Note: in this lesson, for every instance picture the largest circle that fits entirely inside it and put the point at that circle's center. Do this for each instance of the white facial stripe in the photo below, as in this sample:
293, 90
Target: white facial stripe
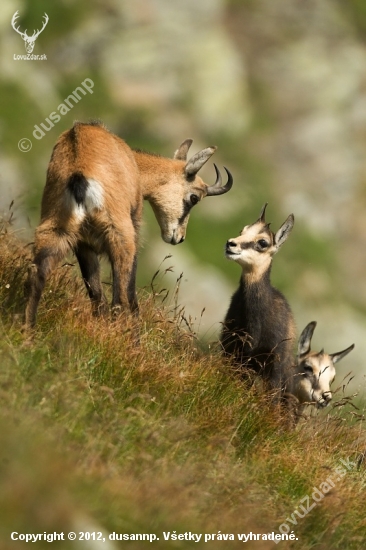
250, 233
323, 367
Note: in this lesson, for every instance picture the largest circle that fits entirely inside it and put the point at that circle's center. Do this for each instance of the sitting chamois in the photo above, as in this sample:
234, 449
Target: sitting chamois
313, 372
92, 204
259, 329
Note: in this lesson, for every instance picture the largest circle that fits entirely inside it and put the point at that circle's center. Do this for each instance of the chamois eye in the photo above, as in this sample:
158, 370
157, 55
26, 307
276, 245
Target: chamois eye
263, 243
194, 199
308, 369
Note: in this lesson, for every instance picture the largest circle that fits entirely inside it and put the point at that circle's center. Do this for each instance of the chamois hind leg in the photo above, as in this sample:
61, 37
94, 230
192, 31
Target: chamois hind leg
90, 271
131, 289
49, 249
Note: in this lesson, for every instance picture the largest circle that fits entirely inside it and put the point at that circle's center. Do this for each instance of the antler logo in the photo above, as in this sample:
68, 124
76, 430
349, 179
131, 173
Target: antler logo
28, 40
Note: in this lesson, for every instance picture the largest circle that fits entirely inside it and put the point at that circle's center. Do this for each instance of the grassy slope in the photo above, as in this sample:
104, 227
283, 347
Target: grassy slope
98, 433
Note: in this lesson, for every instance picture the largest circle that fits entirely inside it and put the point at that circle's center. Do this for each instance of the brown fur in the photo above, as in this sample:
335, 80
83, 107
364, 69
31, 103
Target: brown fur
92, 204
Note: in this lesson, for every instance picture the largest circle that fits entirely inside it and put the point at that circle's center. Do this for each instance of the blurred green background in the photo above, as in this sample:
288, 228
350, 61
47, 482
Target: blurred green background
279, 87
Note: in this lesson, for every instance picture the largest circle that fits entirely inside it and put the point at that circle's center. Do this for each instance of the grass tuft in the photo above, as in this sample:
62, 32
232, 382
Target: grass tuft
102, 431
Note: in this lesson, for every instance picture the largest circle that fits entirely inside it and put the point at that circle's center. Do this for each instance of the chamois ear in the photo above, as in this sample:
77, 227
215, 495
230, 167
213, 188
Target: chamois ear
182, 151
284, 231
196, 162
338, 356
304, 346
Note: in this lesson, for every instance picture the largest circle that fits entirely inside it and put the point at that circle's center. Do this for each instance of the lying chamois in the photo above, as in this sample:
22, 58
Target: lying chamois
313, 373
259, 330
92, 204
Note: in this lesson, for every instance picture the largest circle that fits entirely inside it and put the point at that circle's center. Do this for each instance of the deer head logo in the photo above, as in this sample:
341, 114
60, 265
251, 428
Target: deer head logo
28, 40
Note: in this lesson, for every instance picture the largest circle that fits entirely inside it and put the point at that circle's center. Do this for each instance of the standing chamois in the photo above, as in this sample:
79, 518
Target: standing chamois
259, 330
313, 373
92, 204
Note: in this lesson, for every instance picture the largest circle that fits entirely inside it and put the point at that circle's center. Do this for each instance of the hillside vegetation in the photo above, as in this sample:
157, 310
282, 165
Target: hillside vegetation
102, 433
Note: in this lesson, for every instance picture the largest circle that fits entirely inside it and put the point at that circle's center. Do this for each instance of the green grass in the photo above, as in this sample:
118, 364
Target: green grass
99, 433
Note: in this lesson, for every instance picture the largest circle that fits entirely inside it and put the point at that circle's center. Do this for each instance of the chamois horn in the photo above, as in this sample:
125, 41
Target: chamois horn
217, 188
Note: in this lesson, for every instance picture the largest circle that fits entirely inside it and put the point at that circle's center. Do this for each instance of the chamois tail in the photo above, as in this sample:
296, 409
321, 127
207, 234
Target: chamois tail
78, 186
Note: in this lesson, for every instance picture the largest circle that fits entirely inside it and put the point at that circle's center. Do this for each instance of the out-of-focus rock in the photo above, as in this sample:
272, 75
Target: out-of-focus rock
170, 54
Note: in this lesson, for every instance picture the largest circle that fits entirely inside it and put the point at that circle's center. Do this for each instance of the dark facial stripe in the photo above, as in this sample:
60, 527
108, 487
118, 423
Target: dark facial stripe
186, 210
245, 246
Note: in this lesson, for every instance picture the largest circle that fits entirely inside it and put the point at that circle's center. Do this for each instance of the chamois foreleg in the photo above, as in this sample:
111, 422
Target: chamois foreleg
90, 271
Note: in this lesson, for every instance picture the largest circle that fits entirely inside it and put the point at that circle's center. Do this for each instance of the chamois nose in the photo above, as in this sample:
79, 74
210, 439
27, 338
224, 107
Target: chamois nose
230, 244
325, 399
327, 396
176, 239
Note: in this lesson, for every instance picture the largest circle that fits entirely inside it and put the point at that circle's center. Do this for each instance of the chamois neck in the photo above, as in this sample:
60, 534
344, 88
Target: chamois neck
254, 278
154, 171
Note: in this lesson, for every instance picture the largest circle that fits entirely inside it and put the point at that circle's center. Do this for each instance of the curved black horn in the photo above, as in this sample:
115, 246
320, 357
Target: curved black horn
217, 188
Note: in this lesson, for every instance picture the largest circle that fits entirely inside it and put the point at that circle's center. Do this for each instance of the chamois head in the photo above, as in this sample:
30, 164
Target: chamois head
256, 244
182, 188
314, 372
